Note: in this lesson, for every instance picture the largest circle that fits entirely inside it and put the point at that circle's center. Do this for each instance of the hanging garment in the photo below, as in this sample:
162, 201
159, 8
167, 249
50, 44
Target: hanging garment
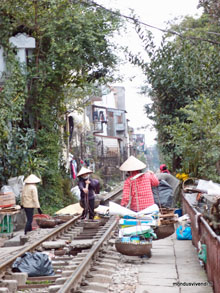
101, 116
73, 168
71, 127
95, 116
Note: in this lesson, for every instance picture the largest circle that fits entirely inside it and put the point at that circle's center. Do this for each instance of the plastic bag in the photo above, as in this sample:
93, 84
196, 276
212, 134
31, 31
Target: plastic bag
185, 234
6, 189
76, 191
203, 253
17, 184
34, 264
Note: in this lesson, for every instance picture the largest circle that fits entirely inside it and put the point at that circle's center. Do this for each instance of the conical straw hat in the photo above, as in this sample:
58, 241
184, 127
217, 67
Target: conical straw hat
32, 179
132, 164
83, 171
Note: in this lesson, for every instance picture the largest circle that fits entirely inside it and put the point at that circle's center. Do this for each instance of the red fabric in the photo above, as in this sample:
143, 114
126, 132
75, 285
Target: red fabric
144, 193
73, 171
162, 167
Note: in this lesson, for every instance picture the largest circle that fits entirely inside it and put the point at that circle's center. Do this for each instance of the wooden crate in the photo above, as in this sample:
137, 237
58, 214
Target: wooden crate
7, 199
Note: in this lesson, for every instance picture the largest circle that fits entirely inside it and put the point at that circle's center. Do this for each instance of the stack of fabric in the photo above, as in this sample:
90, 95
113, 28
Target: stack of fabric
135, 231
136, 227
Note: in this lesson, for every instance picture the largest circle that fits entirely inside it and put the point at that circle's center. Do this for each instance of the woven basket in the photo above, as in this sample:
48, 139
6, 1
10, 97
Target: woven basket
164, 231
46, 223
133, 249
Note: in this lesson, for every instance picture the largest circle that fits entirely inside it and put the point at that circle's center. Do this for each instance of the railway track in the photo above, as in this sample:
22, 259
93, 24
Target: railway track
77, 250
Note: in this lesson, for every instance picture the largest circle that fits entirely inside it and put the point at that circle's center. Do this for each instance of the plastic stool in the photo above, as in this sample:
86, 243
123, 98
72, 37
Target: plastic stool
6, 225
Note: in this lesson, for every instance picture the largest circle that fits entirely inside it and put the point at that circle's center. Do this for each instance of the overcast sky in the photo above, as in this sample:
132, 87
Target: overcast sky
156, 13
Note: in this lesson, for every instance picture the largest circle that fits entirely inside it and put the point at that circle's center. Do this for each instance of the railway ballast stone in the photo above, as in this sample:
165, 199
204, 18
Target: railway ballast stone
101, 278
103, 271
54, 244
96, 287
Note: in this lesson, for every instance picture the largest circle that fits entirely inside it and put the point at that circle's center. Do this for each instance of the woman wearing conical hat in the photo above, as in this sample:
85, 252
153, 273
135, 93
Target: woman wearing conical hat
29, 200
88, 188
137, 190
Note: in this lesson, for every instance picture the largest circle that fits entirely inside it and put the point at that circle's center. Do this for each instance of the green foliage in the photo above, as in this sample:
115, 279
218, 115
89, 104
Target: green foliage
12, 100
180, 72
18, 155
68, 197
197, 140
73, 53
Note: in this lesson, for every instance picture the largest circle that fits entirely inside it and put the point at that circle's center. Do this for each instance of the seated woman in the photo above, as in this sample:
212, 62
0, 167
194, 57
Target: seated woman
164, 169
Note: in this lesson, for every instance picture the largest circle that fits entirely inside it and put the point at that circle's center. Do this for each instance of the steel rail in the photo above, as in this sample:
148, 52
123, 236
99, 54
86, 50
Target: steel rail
55, 232
33, 246
113, 193
73, 281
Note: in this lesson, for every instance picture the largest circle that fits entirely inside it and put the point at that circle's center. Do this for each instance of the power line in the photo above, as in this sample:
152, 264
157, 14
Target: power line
135, 20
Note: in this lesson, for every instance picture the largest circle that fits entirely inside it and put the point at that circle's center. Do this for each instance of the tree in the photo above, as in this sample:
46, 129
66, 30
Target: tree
212, 9
179, 73
72, 50
197, 139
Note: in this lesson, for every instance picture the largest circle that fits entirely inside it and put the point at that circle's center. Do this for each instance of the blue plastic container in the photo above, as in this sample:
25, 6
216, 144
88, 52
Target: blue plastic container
179, 212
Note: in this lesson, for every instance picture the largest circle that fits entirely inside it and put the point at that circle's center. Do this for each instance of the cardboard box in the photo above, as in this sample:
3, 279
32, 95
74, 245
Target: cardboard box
7, 199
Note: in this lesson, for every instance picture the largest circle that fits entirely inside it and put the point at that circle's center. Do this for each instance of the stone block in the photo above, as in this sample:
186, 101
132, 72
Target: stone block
60, 281
11, 285
53, 244
66, 274
55, 288
21, 278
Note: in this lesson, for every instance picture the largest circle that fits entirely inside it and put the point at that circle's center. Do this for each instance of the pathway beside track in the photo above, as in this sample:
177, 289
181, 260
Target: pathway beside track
173, 268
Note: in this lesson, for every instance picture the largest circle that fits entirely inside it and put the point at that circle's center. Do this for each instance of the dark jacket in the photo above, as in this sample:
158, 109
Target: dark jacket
92, 187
